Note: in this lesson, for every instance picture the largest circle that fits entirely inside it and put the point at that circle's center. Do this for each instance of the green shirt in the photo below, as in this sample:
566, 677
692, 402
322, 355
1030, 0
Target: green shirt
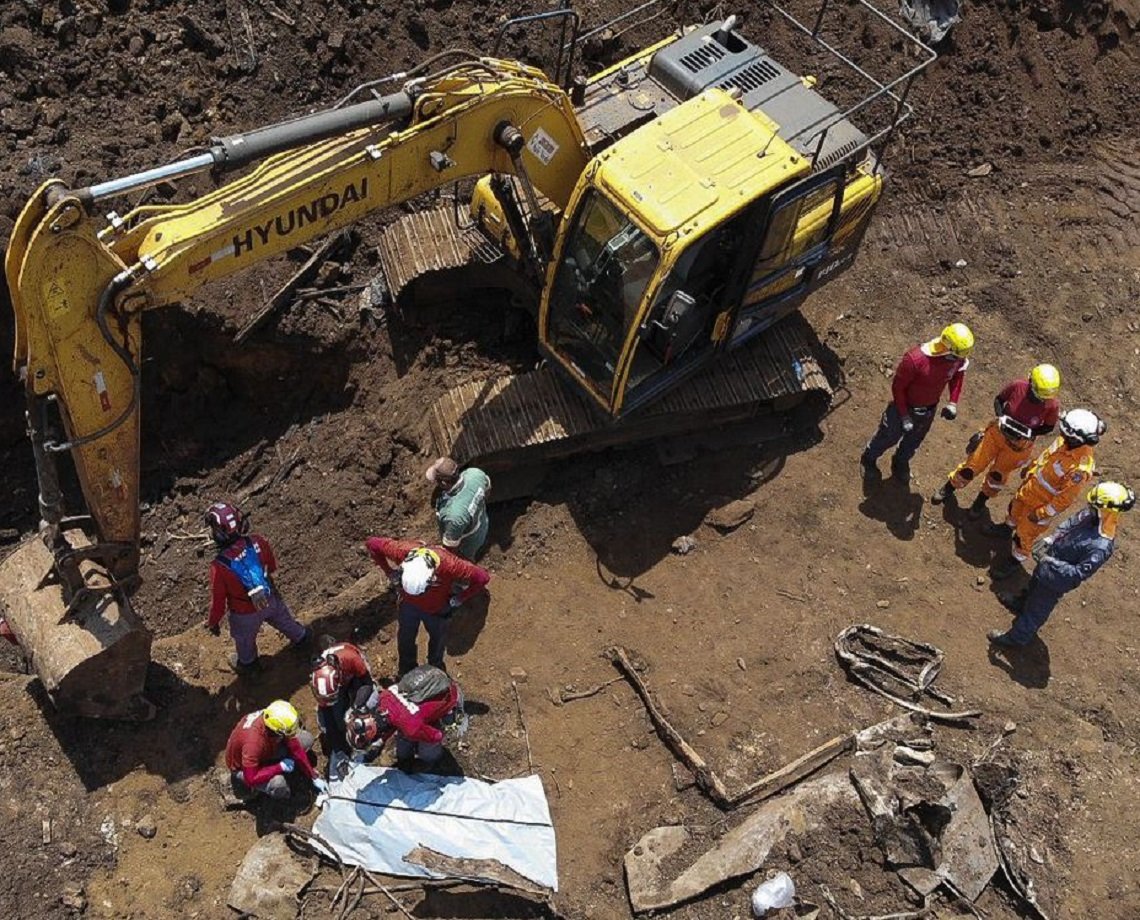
462, 509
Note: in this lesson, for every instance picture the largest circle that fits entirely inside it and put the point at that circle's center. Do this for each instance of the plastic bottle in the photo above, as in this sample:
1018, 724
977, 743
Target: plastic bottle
779, 891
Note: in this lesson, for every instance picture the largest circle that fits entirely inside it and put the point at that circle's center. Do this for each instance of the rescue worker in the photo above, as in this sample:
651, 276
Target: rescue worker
461, 506
921, 376
1025, 410
341, 680
241, 581
1049, 485
434, 582
265, 747
1066, 559
413, 711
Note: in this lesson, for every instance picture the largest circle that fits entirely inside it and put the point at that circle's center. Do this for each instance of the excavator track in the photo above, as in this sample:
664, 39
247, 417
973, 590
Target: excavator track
524, 419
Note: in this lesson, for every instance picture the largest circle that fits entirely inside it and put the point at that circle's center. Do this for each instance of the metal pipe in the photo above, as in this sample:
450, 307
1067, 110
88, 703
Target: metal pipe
47, 474
133, 183
238, 150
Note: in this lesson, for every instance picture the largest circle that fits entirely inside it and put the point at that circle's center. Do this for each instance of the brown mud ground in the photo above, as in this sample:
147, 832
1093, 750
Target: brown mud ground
1044, 91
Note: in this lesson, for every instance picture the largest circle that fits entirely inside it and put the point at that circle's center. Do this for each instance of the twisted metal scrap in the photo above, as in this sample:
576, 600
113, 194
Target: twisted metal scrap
855, 649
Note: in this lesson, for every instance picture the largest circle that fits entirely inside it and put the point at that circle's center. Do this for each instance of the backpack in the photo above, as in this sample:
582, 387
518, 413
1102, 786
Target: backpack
251, 573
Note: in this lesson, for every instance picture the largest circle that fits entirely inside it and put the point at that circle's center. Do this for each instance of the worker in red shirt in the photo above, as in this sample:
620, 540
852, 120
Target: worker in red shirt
241, 581
265, 747
1024, 410
433, 583
921, 376
341, 680
413, 711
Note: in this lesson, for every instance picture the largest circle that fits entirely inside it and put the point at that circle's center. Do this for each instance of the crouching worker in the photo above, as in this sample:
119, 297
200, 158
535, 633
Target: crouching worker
415, 711
341, 680
265, 747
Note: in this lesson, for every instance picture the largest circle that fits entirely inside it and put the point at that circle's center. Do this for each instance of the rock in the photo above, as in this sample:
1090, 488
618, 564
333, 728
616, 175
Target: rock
68, 850
682, 546
732, 515
1009, 728
88, 23
16, 47
146, 827
980, 580
883, 605
137, 45
961, 263
682, 777
73, 898
1086, 317
66, 30
719, 719
740, 664
979, 172
518, 675
269, 879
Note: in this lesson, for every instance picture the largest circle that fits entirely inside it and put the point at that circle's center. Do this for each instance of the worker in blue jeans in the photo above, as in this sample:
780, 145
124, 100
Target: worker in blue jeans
1071, 556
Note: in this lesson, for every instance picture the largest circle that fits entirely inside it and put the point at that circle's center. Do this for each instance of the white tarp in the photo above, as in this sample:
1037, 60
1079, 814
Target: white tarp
375, 816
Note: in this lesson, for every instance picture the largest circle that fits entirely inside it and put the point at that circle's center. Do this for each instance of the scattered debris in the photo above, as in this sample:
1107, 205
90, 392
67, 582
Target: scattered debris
567, 695
73, 898
981, 171
741, 851
931, 19
879, 661
776, 893
332, 245
480, 870
269, 879
711, 784
522, 722
682, 546
728, 517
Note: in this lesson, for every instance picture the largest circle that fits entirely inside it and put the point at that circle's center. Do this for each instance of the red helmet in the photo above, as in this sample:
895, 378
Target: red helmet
364, 728
325, 681
226, 522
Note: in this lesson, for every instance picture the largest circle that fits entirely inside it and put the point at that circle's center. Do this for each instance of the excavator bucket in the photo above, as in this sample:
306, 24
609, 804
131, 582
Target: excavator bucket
89, 649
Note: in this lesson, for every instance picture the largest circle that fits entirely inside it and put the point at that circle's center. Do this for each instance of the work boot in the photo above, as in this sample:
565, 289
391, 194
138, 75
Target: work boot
998, 637
944, 493
239, 668
998, 530
302, 644
1005, 569
870, 468
978, 508
900, 472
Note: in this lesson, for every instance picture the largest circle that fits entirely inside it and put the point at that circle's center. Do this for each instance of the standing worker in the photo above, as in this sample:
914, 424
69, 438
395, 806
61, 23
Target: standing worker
341, 679
241, 581
265, 747
921, 376
1049, 485
413, 711
434, 582
1024, 409
461, 506
1071, 556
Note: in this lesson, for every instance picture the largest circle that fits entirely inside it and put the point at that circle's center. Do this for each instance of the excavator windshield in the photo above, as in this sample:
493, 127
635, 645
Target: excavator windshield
606, 264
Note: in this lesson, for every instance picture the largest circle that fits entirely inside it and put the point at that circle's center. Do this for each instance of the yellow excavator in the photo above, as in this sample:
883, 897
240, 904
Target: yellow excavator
662, 219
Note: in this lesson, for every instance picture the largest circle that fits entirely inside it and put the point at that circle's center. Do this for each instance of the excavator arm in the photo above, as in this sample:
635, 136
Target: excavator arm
80, 282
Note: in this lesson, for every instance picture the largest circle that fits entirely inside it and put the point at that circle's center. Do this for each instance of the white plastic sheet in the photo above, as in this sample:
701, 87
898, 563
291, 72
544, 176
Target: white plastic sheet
375, 816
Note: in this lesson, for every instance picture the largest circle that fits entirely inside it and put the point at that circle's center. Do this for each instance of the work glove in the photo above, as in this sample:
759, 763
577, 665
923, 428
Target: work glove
907, 424
215, 630
320, 785
1041, 548
288, 765
950, 412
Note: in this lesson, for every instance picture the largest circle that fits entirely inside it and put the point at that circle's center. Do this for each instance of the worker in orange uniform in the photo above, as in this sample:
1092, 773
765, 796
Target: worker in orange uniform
1050, 484
921, 376
1024, 410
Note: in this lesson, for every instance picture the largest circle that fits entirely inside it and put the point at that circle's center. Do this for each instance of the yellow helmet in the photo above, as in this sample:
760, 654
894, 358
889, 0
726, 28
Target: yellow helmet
1111, 496
281, 718
1045, 381
957, 339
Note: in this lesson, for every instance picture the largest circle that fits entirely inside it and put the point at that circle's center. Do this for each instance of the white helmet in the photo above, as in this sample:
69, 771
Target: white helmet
1082, 426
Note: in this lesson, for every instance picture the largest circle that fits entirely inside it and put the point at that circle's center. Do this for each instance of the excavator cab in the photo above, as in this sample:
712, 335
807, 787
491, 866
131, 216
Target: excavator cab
684, 241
